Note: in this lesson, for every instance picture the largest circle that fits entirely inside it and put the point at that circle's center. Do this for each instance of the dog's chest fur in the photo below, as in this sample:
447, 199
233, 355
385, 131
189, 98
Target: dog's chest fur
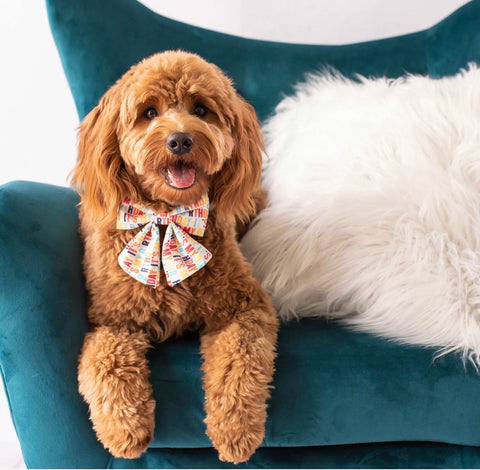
164, 311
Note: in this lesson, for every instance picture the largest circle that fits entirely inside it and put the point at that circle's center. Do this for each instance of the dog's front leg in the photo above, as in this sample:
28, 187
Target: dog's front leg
238, 364
113, 378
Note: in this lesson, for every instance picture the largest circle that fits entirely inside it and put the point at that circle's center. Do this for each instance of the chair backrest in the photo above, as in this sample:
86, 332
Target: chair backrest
99, 40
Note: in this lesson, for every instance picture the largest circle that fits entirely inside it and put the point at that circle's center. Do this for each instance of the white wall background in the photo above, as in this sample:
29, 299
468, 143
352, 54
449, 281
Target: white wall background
38, 117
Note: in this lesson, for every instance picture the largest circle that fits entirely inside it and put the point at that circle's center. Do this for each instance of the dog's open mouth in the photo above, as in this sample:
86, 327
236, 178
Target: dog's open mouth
180, 175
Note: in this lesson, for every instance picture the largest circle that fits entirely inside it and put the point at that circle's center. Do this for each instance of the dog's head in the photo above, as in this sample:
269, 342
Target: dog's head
171, 129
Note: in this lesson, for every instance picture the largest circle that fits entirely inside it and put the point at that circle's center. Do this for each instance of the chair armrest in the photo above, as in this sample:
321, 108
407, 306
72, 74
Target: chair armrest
42, 324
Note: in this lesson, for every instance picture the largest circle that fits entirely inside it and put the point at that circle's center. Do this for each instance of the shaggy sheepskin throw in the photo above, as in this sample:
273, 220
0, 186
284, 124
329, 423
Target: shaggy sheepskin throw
374, 207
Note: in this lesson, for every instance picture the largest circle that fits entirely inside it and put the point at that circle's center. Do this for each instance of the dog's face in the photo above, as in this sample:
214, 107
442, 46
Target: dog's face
170, 130
176, 125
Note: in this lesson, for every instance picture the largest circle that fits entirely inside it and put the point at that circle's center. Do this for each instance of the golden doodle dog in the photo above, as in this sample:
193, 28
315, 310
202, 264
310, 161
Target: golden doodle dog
170, 141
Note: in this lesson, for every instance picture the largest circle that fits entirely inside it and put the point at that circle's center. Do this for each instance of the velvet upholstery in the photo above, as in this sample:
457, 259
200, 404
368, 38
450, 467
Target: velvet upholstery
383, 455
339, 396
332, 386
99, 41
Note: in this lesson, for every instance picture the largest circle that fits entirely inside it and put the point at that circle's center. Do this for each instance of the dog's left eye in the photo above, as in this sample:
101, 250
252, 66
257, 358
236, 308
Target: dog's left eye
200, 110
150, 113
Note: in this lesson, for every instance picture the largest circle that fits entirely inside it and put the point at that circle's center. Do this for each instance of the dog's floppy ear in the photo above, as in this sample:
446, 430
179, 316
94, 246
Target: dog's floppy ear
235, 187
100, 176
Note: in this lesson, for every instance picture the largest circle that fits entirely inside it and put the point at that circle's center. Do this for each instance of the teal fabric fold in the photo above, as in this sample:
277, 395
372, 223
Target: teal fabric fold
389, 455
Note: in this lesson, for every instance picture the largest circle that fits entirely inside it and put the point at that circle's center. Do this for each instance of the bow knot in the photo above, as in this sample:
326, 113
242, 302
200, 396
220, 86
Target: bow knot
181, 255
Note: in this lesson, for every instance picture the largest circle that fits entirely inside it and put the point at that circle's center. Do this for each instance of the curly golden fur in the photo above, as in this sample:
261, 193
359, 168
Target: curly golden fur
123, 152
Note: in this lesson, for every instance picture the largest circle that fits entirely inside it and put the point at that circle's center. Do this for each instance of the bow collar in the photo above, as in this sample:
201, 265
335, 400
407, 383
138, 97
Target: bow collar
181, 255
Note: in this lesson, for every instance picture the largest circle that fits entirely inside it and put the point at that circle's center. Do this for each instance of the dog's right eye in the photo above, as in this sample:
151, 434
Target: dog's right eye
150, 113
200, 110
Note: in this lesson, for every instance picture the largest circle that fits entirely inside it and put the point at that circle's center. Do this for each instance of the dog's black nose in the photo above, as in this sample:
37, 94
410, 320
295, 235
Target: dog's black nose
179, 143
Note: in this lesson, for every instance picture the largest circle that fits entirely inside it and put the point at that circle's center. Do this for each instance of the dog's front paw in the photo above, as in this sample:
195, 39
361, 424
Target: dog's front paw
126, 441
113, 379
125, 429
235, 444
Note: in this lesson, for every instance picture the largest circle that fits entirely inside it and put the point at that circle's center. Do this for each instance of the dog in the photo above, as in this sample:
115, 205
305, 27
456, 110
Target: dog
172, 139
374, 202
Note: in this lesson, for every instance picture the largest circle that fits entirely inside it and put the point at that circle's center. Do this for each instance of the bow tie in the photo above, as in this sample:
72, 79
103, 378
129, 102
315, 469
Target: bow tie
182, 256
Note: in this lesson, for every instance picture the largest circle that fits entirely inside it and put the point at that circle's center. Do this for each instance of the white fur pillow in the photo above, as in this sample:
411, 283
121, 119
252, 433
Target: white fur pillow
374, 213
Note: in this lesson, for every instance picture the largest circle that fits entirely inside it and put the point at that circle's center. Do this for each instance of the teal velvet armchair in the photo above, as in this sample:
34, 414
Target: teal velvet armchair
341, 399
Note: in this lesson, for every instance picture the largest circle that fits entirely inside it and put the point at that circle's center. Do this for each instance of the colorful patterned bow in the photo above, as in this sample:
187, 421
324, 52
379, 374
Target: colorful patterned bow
182, 256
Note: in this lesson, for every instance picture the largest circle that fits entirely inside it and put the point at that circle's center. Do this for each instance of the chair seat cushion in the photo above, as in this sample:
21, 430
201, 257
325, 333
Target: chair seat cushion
332, 386
385, 455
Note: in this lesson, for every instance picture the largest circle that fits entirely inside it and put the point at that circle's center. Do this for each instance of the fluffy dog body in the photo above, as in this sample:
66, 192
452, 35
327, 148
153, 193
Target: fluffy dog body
124, 150
374, 200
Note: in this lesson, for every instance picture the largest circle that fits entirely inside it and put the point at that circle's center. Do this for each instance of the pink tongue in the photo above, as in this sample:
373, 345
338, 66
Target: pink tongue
181, 176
